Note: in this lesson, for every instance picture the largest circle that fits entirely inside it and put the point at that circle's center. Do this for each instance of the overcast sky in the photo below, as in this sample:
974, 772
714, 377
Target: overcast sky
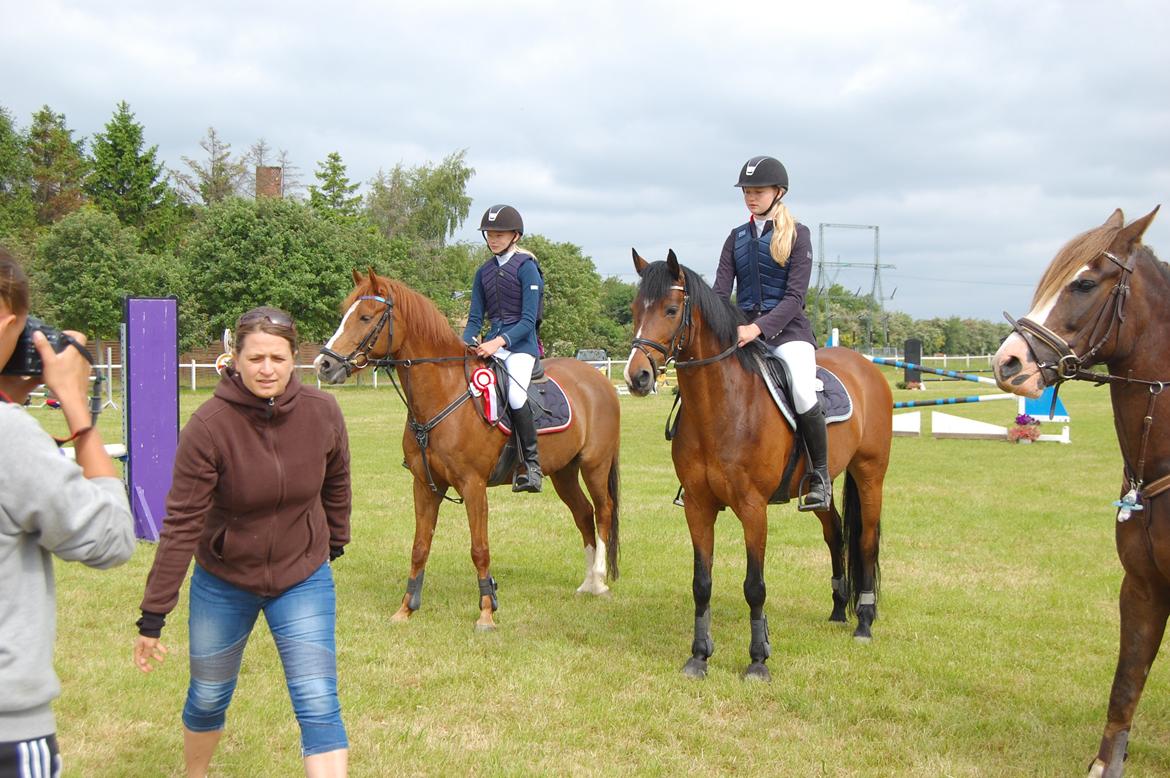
979, 136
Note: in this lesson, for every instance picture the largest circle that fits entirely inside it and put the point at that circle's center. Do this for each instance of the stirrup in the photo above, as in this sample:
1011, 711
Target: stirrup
521, 482
803, 504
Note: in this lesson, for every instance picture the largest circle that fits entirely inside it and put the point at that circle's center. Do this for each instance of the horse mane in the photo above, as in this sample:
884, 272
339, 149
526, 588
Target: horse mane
426, 320
719, 316
1080, 251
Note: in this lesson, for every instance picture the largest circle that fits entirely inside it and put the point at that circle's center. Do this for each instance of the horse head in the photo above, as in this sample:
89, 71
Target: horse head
366, 331
1078, 309
661, 312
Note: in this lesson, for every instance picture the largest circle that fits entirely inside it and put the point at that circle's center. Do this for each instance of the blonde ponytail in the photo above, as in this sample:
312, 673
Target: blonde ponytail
783, 233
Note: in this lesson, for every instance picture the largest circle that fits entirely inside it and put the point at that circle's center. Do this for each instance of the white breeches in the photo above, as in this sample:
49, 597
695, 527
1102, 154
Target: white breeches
800, 360
519, 367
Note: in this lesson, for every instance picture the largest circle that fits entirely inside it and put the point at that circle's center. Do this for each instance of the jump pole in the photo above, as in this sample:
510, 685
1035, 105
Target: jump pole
948, 373
150, 376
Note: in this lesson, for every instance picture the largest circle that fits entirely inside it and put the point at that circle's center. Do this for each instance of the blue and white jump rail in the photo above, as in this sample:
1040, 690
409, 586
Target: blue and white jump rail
945, 425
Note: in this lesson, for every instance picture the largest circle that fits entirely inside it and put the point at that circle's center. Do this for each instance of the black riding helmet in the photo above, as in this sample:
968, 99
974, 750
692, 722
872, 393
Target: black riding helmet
763, 171
503, 218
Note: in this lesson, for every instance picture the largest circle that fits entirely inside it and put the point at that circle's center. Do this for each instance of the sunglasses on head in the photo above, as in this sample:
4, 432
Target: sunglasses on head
272, 317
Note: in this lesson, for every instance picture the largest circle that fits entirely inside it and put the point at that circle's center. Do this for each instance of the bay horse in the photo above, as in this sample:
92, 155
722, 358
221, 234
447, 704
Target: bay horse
449, 444
732, 443
1102, 300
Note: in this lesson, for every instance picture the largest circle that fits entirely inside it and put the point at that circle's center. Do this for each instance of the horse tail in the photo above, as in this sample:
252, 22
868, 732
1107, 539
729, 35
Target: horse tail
613, 546
855, 563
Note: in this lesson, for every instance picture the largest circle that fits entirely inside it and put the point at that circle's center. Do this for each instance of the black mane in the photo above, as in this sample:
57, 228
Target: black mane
719, 316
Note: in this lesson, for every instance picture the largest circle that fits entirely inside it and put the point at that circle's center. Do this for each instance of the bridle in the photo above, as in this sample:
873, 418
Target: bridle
359, 357
679, 340
1070, 366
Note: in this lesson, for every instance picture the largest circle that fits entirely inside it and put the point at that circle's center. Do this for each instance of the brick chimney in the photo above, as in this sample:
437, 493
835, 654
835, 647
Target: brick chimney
269, 181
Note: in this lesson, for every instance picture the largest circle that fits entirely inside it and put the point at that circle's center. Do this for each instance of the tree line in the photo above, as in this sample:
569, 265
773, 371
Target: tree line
96, 219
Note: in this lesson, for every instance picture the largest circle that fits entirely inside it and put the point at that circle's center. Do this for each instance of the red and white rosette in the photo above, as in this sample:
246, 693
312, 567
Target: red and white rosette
222, 362
483, 382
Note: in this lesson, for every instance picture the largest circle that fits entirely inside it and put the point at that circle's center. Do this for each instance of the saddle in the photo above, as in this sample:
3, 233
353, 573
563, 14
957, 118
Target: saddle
834, 399
551, 411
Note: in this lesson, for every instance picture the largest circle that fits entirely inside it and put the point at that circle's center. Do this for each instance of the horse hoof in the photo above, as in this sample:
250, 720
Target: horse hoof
695, 668
757, 671
402, 616
838, 616
602, 591
862, 637
484, 627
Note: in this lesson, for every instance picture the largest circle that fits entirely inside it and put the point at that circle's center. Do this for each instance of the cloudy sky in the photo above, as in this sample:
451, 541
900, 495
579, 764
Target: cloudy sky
979, 136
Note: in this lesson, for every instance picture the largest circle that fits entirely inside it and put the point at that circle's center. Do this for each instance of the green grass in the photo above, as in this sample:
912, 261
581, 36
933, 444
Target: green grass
994, 650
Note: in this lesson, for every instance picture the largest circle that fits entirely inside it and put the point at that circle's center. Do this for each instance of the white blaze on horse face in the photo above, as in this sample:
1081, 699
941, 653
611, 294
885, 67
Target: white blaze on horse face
341, 327
1043, 308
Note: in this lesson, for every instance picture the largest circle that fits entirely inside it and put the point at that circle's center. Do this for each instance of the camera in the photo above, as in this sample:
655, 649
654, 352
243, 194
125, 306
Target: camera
25, 359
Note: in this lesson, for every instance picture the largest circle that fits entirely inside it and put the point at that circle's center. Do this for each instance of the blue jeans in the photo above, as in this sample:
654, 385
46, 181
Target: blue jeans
302, 621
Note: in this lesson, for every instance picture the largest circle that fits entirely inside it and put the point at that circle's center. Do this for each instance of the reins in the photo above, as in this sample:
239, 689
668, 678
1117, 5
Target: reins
680, 338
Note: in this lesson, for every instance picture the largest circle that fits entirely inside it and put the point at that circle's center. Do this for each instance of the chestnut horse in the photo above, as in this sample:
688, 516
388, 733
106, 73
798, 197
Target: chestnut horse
732, 444
449, 444
1102, 300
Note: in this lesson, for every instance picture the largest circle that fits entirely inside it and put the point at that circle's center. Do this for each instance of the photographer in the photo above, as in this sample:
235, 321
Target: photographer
48, 505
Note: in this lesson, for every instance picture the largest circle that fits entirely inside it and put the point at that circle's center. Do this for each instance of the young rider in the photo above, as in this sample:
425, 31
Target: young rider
509, 290
769, 260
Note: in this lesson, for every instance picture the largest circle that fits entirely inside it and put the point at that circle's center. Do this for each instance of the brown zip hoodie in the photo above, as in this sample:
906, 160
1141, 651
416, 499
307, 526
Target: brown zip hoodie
260, 492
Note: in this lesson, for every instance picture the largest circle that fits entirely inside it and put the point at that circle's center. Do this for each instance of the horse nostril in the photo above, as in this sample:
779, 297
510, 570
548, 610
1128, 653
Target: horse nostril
1010, 367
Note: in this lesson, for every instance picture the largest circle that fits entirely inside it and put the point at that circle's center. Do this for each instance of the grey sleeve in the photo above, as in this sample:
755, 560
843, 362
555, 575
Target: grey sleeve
76, 518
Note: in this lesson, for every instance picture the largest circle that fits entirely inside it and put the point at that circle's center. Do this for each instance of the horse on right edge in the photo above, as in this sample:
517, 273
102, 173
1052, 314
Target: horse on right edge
1102, 301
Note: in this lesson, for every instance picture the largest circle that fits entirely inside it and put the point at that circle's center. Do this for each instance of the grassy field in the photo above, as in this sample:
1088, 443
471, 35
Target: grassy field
993, 651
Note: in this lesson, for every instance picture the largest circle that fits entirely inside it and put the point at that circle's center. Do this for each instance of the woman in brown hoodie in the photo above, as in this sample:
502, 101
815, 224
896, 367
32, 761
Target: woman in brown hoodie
261, 498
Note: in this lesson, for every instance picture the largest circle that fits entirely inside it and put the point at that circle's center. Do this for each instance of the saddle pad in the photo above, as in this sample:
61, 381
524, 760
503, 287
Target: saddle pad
832, 393
550, 405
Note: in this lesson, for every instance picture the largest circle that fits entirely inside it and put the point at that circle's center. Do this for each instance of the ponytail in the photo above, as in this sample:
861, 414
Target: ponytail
783, 233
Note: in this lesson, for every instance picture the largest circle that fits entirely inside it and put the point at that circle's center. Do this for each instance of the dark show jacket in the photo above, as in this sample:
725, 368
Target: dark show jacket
509, 296
786, 321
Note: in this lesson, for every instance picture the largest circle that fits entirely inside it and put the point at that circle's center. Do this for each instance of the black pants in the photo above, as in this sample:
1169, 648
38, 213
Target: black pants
27, 758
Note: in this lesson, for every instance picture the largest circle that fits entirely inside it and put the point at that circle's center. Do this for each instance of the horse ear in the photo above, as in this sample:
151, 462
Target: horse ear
639, 264
672, 264
357, 277
1132, 232
1116, 220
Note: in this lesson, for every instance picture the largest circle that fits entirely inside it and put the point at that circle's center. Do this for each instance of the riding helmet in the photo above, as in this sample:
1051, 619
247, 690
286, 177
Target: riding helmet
763, 171
502, 217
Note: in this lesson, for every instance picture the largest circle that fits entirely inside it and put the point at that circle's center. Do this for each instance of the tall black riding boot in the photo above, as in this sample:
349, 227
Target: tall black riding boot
524, 425
811, 424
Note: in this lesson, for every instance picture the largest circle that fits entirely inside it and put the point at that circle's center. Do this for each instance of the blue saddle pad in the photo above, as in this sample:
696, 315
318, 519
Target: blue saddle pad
832, 393
550, 406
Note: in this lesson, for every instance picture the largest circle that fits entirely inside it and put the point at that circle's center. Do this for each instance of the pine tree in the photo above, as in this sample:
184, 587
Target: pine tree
335, 195
126, 181
217, 179
59, 166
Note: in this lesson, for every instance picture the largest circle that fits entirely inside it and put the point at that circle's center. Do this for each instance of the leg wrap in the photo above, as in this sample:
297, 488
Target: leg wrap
487, 588
760, 648
414, 589
866, 598
703, 646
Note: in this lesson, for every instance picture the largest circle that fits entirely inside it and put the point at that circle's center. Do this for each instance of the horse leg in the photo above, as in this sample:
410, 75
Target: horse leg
601, 479
475, 501
835, 540
568, 488
863, 510
1143, 622
426, 514
755, 535
701, 522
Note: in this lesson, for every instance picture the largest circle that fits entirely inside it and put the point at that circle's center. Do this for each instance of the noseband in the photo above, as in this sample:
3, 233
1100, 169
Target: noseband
360, 356
1069, 365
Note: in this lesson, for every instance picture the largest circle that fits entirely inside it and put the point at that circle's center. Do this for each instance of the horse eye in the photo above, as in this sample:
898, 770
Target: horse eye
366, 318
672, 310
1083, 285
